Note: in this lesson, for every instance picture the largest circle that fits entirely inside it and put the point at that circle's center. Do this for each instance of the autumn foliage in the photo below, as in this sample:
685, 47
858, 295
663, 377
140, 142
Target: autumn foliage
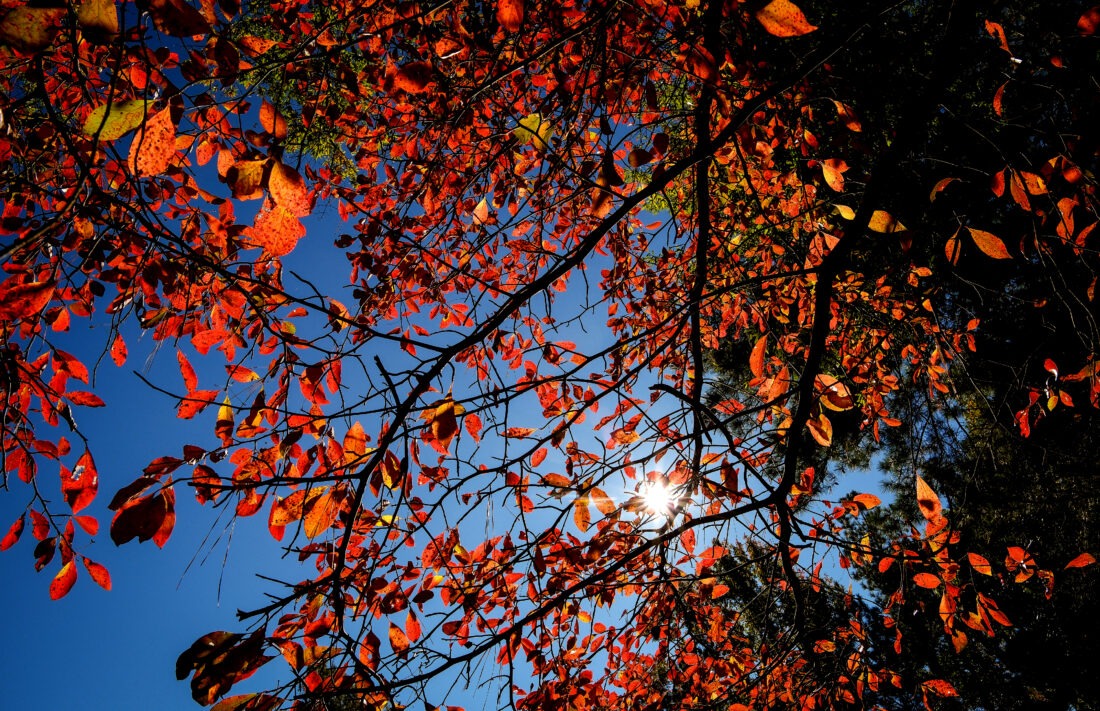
549, 217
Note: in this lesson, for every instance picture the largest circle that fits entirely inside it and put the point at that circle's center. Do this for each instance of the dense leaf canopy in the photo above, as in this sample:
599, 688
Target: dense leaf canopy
619, 293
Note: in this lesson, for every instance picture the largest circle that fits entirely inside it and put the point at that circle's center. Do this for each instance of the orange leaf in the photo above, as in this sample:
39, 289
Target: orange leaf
1081, 561
288, 190
845, 114
939, 687
953, 248
99, 20
783, 18
867, 501
272, 121
926, 580
444, 422
990, 244
398, 640
245, 179
98, 572
882, 221
510, 14
63, 581
557, 480
756, 358
276, 230
833, 169
320, 512
154, 146
939, 187
581, 515
928, 502
603, 502
538, 456
979, 564
412, 627
821, 430
355, 443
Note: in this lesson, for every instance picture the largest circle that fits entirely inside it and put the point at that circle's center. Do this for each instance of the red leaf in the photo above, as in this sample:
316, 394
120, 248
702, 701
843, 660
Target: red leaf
414, 77
154, 146
510, 14
40, 526
14, 533
63, 581
84, 399
24, 300
190, 380
118, 351
783, 18
195, 403
1079, 562
80, 485
98, 572
473, 426
177, 18
412, 627
145, 518
756, 358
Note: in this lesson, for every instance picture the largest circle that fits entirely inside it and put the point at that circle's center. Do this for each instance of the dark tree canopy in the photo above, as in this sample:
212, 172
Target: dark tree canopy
621, 294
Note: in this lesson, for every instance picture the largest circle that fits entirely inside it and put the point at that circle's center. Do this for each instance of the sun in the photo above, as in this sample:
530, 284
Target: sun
657, 498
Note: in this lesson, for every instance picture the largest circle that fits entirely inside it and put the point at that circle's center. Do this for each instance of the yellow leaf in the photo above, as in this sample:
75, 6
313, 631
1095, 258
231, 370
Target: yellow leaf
533, 129
833, 170
882, 221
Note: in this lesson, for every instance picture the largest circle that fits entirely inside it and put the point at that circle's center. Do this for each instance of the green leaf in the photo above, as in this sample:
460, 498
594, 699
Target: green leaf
112, 121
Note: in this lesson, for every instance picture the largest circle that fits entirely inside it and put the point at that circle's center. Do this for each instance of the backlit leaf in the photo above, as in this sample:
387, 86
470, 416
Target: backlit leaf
154, 146
1081, 561
272, 121
113, 121
24, 300
99, 20
535, 130
398, 640
926, 580
979, 564
884, 222
510, 14
783, 18
29, 29
99, 573
63, 581
288, 189
833, 170
14, 532
245, 179
414, 78
177, 18
928, 502
320, 512
990, 244
582, 517
276, 230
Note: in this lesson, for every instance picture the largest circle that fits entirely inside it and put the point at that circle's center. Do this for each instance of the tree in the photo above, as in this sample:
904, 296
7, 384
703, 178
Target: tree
564, 214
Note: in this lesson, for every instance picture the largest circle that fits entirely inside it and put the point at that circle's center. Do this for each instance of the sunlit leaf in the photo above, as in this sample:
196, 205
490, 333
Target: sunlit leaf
928, 502
783, 18
154, 146
99, 573
113, 121
510, 14
1081, 561
990, 244
63, 581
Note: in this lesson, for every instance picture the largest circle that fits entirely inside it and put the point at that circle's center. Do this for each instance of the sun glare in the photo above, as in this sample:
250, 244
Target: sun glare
657, 497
